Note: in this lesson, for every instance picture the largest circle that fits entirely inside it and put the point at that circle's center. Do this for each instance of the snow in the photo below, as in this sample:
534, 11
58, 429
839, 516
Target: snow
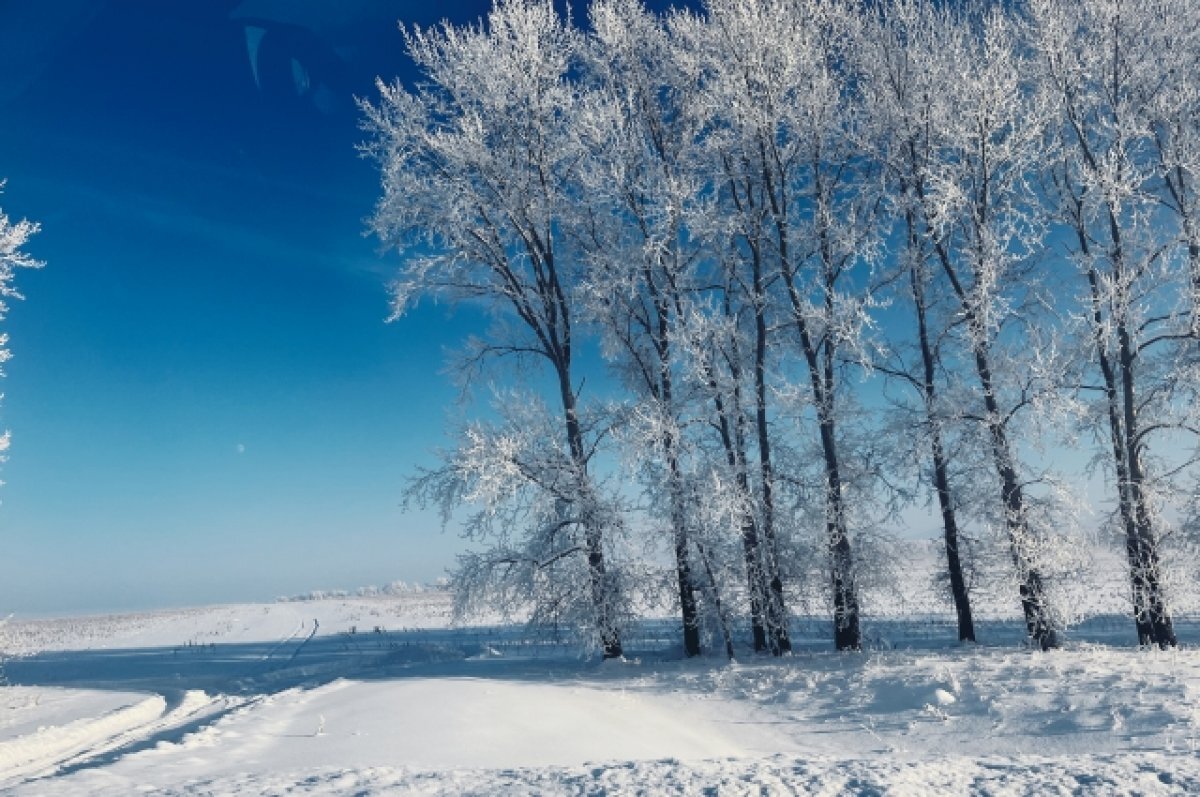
27, 709
229, 624
283, 698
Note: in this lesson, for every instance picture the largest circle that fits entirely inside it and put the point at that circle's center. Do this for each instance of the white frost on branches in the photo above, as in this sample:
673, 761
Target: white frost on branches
13, 237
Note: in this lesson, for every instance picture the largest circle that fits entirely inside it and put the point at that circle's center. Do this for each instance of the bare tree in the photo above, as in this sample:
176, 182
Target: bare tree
897, 42
1124, 144
794, 177
972, 201
641, 183
479, 168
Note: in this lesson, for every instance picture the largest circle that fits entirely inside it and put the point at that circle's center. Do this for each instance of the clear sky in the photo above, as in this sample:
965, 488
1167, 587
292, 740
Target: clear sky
206, 403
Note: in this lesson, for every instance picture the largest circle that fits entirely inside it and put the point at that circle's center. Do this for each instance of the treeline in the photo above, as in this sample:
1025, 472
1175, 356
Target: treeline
842, 257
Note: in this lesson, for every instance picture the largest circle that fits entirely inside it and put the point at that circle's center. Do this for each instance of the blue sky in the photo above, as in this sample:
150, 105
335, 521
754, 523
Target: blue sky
206, 403
205, 400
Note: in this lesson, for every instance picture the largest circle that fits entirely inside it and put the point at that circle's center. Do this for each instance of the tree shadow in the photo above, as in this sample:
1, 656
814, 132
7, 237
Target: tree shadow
496, 652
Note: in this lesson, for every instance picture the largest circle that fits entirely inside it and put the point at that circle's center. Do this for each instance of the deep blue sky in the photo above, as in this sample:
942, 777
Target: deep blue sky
206, 403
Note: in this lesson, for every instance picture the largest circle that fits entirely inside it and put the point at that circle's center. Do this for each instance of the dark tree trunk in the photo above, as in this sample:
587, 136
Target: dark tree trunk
958, 584
1151, 617
1038, 621
550, 322
847, 633
683, 570
732, 425
777, 617
820, 359
726, 636
665, 389
758, 537
1144, 564
1034, 604
733, 436
941, 465
1133, 546
755, 581
601, 588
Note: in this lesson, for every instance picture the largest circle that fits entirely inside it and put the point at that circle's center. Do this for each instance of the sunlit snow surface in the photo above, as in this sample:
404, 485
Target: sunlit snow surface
249, 700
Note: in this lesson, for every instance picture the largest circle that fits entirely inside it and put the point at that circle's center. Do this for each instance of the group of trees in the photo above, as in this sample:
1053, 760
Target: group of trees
840, 256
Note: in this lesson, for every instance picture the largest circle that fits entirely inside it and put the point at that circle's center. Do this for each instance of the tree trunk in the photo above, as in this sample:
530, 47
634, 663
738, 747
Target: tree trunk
726, 636
1144, 564
1038, 620
733, 436
847, 634
1151, 617
941, 469
1133, 548
958, 584
601, 587
755, 581
683, 570
777, 619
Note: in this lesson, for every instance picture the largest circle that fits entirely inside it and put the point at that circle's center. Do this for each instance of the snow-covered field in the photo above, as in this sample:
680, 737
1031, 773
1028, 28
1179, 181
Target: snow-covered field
364, 695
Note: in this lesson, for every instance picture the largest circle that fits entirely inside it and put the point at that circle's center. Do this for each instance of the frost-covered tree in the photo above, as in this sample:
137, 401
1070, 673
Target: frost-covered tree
717, 342
529, 504
971, 197
742, 240
14, 235
479, 166
801, 213
897, 42
720, 195
641, 185
1121, 79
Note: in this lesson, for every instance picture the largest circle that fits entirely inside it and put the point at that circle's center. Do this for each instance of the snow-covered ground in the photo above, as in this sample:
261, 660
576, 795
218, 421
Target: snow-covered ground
380, 694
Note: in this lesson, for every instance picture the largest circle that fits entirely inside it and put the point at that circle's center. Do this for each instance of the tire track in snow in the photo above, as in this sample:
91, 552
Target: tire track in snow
98, 741
299, 628
307, 639
164, 718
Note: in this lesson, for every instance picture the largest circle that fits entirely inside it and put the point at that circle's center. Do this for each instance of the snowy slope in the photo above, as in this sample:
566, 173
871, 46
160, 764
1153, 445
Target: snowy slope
227, 624
261, 699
